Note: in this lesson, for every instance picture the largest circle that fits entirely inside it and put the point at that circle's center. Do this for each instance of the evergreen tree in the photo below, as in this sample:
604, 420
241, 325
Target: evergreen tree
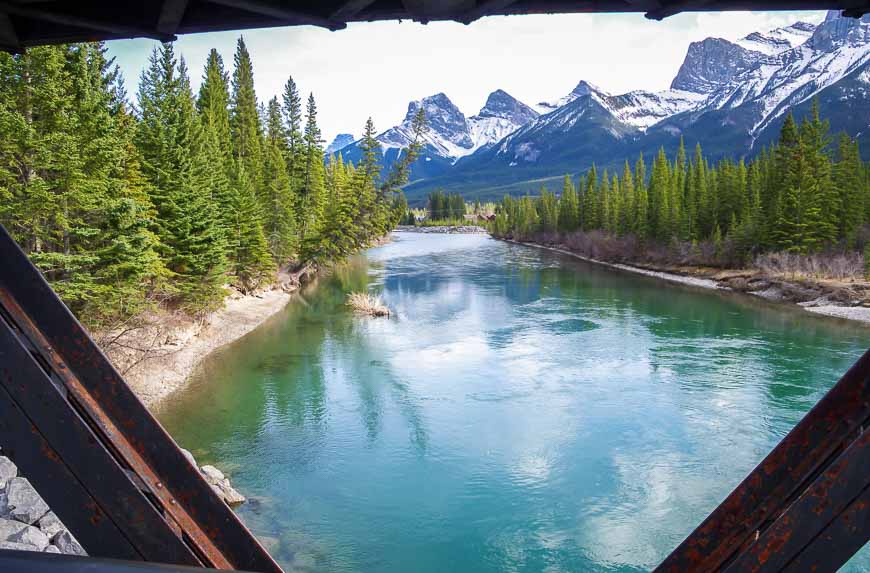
568, 208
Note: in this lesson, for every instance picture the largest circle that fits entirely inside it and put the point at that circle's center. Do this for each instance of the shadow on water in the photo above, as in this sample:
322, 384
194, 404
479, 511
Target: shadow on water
522, 410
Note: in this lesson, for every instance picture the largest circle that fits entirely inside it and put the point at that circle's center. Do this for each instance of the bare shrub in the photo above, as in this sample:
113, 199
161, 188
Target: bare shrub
832, 265
365, 303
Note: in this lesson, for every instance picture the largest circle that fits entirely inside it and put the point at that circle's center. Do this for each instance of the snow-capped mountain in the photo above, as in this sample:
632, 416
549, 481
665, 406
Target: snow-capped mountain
451, 135
501, 115
341, 141
757, 99
778, 40
729, 96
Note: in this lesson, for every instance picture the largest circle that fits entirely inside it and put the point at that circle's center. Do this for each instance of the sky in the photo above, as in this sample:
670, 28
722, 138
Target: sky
376, 68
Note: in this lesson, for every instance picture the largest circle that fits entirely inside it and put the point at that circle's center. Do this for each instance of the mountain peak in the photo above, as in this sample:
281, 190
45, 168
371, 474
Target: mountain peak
341, 141
778, 40
711, 63
586, 88
501, 104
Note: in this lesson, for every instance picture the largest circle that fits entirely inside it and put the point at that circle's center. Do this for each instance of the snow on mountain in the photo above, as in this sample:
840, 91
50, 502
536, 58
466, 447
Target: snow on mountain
836, 48
451, 135
639, 109
501, 115
779, 40
583, 88
341, 141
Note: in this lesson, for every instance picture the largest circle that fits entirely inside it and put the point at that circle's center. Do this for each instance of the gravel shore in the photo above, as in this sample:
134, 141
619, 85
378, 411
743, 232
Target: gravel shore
822, 306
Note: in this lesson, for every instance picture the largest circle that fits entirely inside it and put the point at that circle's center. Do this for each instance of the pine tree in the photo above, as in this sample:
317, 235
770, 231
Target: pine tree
568, 208
250, 262
277, 198
169, 137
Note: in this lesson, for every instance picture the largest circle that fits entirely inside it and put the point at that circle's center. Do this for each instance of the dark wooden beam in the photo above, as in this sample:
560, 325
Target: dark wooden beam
35, 13
8, 37
64, 410
484, 8
171, 15
349, 10
290, 17
674, 8
417, 10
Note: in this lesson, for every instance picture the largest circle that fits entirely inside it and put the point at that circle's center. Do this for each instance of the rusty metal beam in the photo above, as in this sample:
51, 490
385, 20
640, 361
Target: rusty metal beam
75, 419
802, 504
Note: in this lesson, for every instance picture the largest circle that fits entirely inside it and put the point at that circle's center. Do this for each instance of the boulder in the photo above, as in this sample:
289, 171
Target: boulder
4, 504
221, 485
50, 524
15, 546
51, 549
67, 544
7, 470
25, 504
189, 457
10, 528
31, 536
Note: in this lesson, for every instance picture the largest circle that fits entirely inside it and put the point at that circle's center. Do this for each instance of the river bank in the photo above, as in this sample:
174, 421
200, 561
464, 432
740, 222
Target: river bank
158, 353
850, 301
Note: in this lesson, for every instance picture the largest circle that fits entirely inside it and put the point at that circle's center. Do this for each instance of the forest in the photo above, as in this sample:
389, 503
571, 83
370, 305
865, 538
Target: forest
805, 194
172, 198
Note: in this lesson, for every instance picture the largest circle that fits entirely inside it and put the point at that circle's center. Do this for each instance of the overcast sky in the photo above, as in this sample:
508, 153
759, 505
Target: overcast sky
375, 69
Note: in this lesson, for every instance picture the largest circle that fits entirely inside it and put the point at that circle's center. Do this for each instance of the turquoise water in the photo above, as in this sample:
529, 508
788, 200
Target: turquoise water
521, 411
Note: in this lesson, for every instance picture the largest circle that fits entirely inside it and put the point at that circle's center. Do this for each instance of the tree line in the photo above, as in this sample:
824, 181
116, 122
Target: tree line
803, 194
124, 207
443, 206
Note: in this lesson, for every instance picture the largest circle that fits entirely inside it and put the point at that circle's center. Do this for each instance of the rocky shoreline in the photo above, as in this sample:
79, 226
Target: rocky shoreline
816, 297
26, 522
157, 354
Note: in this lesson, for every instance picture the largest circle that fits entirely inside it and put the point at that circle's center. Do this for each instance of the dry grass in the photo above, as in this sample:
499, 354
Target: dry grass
841, 266
368, 304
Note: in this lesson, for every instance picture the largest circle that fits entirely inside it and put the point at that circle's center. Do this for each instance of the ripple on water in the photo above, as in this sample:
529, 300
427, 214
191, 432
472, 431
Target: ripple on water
523, 412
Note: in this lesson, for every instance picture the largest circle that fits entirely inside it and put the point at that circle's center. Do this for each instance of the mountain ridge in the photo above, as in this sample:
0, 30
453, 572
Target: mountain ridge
729, 98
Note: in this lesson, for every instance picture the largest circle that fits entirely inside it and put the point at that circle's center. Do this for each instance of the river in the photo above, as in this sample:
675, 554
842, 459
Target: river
521, 411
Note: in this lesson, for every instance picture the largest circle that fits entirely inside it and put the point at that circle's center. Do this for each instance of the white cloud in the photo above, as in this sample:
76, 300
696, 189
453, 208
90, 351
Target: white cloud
377, 68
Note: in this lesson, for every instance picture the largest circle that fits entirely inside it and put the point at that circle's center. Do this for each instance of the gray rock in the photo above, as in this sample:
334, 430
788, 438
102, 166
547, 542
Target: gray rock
10, 528
50, 524
67, 544
212, 474
51, 549
25, 504
189, 457
31, 536
221, 485
4, 504
15, 546
7, 470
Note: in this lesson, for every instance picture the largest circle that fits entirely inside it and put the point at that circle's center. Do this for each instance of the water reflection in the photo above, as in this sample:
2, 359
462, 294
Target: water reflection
522, 411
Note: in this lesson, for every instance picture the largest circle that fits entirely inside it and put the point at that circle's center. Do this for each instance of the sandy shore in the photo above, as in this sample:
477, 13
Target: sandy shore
157, 357
823, 307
